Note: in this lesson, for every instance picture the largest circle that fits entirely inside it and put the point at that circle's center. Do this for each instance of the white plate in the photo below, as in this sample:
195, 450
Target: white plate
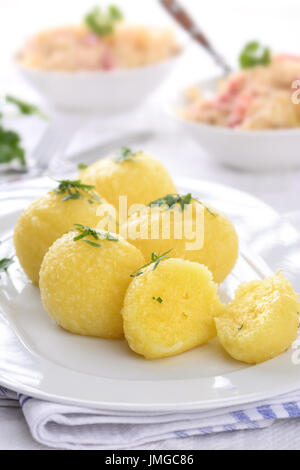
38, 358
256, 150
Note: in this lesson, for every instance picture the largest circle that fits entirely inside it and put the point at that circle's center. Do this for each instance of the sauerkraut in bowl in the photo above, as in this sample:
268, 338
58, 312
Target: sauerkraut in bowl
103, 65
249, 120
104, 42
257, 97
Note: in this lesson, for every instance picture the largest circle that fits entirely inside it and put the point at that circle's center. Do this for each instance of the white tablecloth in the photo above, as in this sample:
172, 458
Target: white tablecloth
283, 435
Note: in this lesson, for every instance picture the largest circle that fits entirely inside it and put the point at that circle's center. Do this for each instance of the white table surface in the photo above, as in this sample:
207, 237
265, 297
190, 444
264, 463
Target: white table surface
183, 157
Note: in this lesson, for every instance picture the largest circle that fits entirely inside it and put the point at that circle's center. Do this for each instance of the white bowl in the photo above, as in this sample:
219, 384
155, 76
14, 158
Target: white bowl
248, 150
108, 92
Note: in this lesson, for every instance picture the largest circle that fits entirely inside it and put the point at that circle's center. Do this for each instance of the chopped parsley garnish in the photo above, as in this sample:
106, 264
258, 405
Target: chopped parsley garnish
155, 260
254, 54
241, 327
5, 263
10, 141
95, 234
10, 147
207, 208
110, 237
82, 166
96, 245
125, 155
74, 189
24, 107
102, 22
158, 299
171, 200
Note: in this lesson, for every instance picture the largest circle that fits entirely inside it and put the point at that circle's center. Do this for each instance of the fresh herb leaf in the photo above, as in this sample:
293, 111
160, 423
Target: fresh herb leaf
5, 263
82, 166
86, 231
125, 154
158, 299
101, 22
24, 107
155, 259
97, 245
66, 184
240, 329
74, 189
115, 13
71, 195
171, 200
254, 54
97, 198
10, 147
110, 237
207, 208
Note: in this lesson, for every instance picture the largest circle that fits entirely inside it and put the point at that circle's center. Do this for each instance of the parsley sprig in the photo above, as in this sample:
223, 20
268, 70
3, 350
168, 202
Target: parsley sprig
171, 200
125, 154
24, 107
86, 231
158, 299
102, 22
5, 263
155, 260
10, 147
254, 54
75, 189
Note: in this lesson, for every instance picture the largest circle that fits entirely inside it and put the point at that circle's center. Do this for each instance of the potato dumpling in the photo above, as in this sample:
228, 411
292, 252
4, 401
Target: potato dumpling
170, 309
261, 322
217, 249
138, 176
83, 284
48, 218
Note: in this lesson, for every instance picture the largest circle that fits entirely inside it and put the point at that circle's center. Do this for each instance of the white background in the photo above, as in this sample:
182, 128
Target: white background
229, 23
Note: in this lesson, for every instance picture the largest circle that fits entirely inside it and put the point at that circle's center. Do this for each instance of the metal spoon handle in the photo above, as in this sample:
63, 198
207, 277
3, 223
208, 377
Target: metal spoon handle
186, 21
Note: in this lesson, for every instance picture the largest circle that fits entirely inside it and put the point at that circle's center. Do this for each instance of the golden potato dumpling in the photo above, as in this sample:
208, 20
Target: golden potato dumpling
48, 218
83, 284
170, 309
218, 249
261, 322
138, 176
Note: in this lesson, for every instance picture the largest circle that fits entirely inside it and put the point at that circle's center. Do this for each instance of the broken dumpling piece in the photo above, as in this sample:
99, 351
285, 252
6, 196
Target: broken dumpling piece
169, 308
136, 175
261, 322
83, 280
49, 217
197, 233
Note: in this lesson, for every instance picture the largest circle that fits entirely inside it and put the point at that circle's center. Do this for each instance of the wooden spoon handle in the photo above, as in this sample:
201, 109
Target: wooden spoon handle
186, 21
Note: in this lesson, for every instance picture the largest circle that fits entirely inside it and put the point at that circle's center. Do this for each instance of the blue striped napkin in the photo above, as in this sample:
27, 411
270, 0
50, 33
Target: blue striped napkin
72, 427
